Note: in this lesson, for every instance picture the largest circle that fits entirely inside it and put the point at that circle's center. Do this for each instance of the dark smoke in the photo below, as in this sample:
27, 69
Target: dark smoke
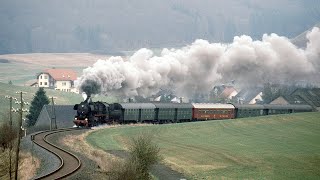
90, 87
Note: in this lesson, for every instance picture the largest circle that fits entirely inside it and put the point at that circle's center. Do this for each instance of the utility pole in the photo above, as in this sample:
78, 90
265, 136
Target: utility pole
10, 110
21, 110
10, 122
53, 114
10, 114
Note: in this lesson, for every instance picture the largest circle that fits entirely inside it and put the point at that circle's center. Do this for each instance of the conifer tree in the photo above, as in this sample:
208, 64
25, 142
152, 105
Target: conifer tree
39, 100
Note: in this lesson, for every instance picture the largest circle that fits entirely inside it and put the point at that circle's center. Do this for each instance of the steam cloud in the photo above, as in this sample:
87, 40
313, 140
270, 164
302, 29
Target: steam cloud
195, 68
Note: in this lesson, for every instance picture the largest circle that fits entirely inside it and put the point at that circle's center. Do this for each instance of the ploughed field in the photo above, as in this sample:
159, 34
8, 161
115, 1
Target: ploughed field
269, 147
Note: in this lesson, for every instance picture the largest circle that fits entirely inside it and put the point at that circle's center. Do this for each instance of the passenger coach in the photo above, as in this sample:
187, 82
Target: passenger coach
249, 110
135, 112
173, 112
208, 111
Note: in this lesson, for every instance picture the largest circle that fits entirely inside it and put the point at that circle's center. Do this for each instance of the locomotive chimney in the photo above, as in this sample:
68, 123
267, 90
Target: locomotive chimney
88, 99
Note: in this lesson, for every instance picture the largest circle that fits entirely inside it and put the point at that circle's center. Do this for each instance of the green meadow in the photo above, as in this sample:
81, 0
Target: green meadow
269, 147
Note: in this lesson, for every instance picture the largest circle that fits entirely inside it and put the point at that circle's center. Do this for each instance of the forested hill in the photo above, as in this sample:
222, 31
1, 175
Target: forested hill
112, 25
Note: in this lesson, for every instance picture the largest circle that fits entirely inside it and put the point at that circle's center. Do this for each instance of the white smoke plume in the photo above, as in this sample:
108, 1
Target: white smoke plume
196, 67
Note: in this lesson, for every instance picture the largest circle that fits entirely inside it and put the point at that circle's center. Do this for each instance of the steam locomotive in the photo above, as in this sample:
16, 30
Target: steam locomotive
91, 114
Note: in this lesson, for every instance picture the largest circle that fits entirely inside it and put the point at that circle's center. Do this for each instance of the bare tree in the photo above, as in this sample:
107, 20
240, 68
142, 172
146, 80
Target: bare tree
8, 134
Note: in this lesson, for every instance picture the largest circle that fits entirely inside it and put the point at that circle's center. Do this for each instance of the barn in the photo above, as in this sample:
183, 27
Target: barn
63, 114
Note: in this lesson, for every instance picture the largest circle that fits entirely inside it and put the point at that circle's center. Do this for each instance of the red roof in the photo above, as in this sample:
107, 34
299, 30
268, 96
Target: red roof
62, 74
227, 91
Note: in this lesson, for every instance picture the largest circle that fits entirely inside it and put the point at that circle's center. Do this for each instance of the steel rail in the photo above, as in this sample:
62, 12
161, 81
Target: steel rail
56, 174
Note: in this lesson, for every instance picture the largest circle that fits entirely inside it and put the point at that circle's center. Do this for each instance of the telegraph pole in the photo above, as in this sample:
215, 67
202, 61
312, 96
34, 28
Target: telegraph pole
10, 114
10, 122
21, 110
10, 110
53, 114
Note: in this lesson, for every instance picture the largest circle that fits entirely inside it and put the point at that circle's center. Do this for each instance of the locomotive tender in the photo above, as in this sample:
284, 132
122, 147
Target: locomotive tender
94, 113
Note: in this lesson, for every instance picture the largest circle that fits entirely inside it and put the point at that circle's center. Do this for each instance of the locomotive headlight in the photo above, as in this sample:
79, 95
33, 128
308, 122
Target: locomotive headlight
86, 119
75, 118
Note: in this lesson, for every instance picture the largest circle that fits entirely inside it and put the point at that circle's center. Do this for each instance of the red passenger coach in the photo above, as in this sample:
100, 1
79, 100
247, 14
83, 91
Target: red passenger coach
209, 111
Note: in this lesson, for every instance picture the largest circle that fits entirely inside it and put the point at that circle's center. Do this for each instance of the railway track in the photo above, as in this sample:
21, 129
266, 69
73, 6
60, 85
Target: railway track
69, 162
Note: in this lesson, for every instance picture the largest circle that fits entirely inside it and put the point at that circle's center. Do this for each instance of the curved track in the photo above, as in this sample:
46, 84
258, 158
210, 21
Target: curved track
69, 162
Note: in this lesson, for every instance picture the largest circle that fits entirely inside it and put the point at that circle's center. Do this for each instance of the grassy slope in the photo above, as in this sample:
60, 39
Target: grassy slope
63, 98
24, 67
271, 147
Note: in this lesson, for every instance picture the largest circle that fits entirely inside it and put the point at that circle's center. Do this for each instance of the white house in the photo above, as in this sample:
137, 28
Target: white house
58, 79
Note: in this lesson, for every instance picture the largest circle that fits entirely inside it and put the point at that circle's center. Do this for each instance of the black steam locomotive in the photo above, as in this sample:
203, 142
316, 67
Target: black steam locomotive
91, 113
94, 113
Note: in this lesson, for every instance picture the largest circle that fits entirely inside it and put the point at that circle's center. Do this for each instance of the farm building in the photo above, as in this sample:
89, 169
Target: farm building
64, 115
285, 100
58, 79
222, 93
229, 93
310, 96
249, 95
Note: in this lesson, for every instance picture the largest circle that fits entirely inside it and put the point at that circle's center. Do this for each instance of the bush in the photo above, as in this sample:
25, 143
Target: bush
143, 153
7, 135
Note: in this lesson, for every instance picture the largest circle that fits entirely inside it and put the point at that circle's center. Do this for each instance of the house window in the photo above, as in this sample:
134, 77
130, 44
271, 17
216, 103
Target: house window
40, 83
64, 84
46, 77
45, 83
40, 77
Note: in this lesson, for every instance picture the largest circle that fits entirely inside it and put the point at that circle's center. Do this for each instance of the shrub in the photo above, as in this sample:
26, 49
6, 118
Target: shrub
7, 136
143, 153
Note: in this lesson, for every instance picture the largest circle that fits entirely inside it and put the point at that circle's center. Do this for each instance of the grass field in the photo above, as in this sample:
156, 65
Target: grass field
270, 147
63, 98
22, 68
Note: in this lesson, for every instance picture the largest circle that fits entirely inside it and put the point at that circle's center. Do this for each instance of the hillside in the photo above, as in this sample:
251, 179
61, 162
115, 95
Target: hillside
270, 147
21, 68
106, 26
301, 40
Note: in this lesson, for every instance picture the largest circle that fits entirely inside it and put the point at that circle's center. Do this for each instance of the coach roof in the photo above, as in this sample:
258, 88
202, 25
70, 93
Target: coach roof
288, 106
173, 105
212, 106
137, 105
249, 106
